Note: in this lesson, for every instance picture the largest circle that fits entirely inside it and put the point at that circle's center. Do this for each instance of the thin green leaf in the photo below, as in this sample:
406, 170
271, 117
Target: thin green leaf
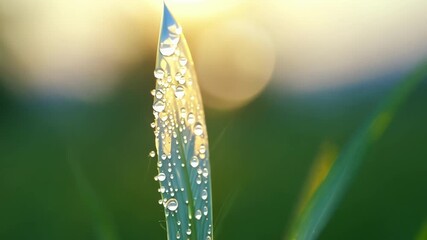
317, 211
181, 138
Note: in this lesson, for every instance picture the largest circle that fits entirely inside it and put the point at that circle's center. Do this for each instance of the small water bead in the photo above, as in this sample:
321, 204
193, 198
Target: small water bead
159, 73
174, 28
161, 177
204, 194
163, 156
198, 214
174, 38
191, 118
183, 61
183, 70
202, 156
172, 204
178, 235
181, 80
162, 189
202, 148
159, 106
208, 238
152, 154
194, 162
205, 172
159, 164
167, 47
199, 179
159, 94
198, 129
205, 210
179, 92
189, 231
153, 92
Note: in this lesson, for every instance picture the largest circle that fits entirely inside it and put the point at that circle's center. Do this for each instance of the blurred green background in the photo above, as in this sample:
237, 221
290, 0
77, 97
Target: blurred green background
73, 167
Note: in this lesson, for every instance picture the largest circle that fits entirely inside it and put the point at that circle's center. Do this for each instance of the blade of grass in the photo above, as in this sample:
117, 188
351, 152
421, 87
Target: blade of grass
322, 203
181, 138
102, 220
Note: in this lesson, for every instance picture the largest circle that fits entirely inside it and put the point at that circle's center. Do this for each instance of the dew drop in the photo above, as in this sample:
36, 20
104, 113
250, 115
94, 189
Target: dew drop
189, 231
191, 119
159, 73
205, 172
205, 210
182, 61
172, 204
208, 238
194, 162
178, 235
174, 28
202, 148
159, 94
199, 179
161, 177
198, 129
159, 106
152, 154
179, 92
153, 92
198, 214
167, 47
204, 194
162, 189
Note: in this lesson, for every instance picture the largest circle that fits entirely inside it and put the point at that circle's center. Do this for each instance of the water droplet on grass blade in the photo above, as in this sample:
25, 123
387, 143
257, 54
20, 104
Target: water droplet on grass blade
198, 129
159, 106
198, 215
172, 204
194, 162
161, 177
179, 92
159, 73
204, 194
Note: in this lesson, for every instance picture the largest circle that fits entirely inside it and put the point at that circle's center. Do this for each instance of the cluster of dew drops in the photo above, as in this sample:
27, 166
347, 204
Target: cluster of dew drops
178, 117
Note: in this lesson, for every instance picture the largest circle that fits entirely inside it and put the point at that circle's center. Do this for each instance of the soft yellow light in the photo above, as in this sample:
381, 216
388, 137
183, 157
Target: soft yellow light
235, 61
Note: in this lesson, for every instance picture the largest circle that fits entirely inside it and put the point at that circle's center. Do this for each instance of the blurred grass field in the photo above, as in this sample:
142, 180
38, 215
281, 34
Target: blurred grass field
261, 153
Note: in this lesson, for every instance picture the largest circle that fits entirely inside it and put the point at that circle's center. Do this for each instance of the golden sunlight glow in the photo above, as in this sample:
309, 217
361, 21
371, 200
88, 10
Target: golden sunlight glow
235, 61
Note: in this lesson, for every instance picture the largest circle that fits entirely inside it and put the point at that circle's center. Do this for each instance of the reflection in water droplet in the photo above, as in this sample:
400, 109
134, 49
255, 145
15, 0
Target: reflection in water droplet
204, 194
182, 61
152, 154
172, 204
179, 92
159, 106
198, 129
191, 119
159, 94
205, 172
174, 28
159, 73
161, 177
189, 231
202, 148
194, 162
198, 214
167, 47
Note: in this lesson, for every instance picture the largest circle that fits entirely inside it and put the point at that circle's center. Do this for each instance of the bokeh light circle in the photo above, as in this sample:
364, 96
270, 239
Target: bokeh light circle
235, 61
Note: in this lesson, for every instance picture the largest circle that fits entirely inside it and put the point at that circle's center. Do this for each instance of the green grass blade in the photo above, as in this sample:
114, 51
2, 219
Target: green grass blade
181, 138
321, 204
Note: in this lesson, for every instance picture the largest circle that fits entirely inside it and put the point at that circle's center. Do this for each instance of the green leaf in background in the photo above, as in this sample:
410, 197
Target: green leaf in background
321, 201
181, 138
